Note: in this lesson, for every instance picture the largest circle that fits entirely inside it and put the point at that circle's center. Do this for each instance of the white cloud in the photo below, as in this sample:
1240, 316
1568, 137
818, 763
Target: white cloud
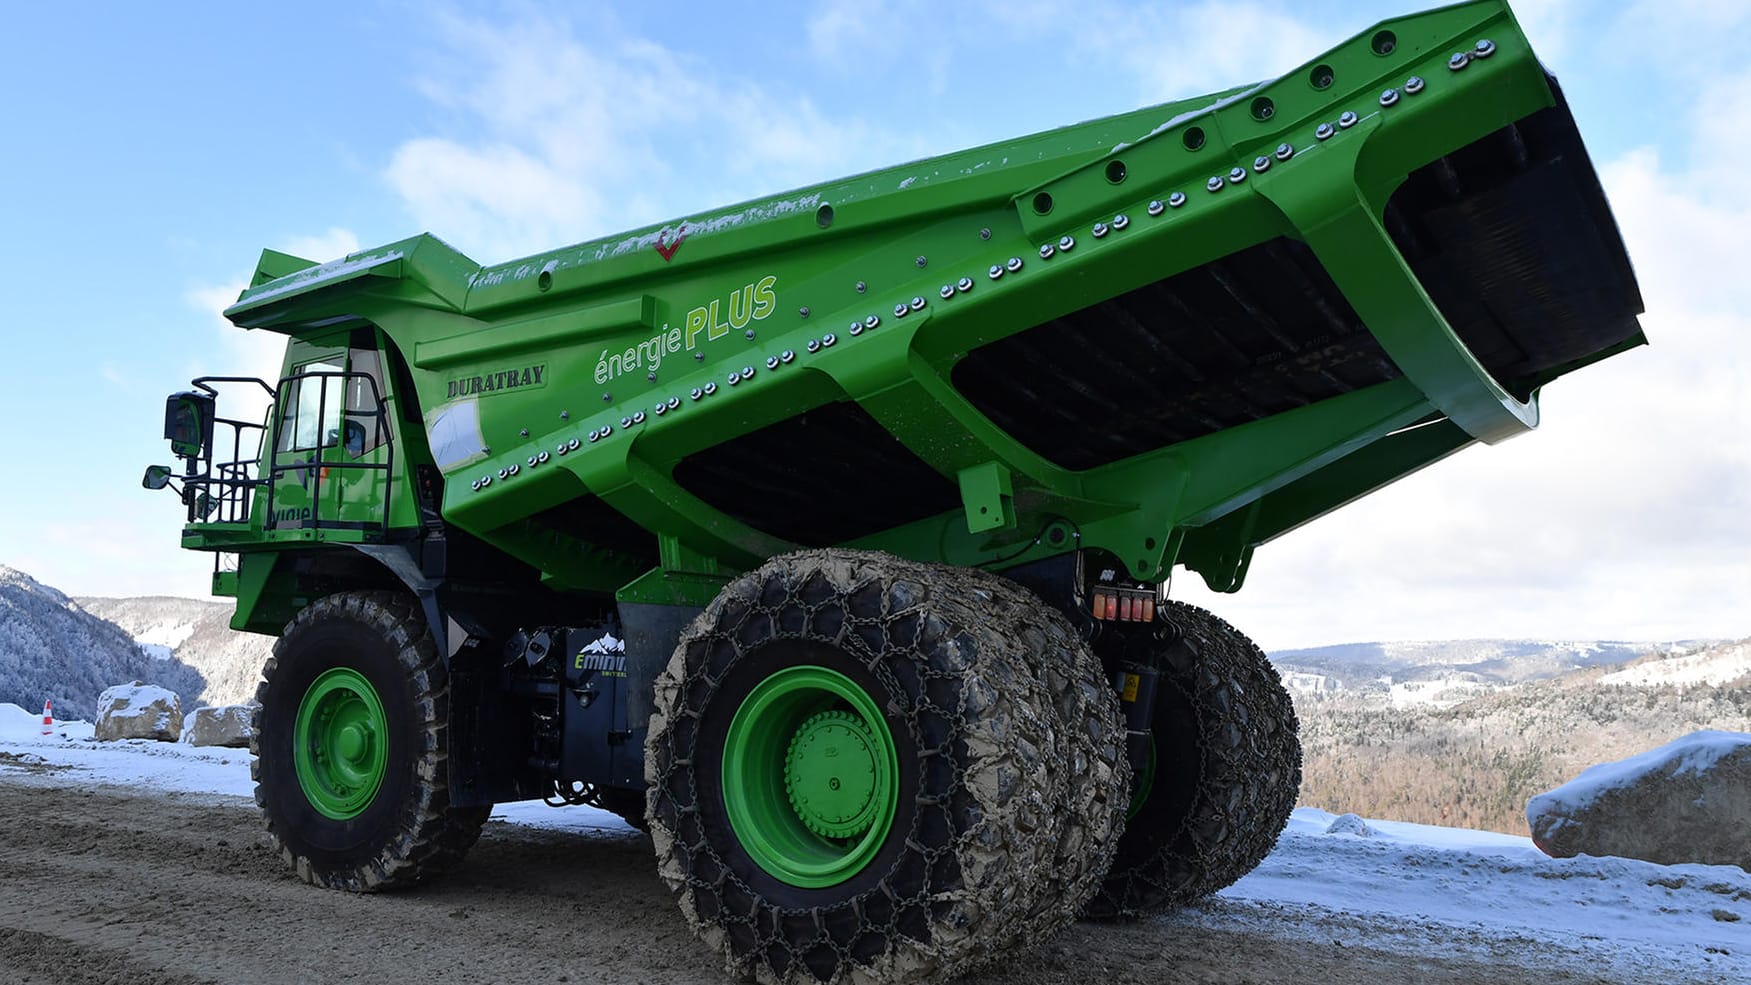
1176, 50
243, 352
332, 244
841, 30
1549, 25
1686, 39
577, 131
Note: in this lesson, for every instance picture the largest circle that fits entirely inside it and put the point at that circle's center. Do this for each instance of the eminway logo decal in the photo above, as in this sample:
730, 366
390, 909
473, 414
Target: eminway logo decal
511, 378
667, 250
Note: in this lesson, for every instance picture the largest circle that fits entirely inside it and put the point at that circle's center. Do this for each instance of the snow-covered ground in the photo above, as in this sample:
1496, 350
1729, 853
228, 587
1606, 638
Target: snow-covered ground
1392, 886
1442, 693
161, 639
1713, 667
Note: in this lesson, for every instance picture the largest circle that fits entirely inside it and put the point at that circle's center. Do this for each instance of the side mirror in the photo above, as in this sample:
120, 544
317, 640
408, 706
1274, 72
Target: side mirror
157, 477
188, 423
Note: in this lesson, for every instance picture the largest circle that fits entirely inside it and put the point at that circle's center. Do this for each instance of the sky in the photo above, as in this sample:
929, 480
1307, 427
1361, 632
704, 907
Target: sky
149, 152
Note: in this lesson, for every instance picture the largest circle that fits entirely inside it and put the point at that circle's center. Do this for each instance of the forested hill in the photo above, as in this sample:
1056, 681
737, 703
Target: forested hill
196, 633
51, 648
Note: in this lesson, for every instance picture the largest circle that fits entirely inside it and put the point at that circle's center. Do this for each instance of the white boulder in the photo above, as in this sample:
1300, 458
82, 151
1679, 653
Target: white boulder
1687, 801
138, 711
227, 725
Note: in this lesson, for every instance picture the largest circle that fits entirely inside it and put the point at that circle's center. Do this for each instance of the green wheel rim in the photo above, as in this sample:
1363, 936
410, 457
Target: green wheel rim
810, 777
1142, 785
340, 744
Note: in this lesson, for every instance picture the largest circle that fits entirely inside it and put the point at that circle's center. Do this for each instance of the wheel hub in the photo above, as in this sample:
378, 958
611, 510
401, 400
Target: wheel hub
338, 750
830, 774
352, 742
810, 776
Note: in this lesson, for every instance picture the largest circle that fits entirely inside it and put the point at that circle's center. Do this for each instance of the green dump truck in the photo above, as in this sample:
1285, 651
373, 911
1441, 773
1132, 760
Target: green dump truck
826, 535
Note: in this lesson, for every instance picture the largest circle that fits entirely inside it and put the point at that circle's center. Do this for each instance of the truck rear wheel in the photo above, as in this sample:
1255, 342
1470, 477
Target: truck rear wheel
351, 745
1225, 771
857, 769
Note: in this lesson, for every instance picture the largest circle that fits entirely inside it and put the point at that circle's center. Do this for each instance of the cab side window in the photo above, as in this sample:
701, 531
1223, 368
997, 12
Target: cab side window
366, 428
311, 410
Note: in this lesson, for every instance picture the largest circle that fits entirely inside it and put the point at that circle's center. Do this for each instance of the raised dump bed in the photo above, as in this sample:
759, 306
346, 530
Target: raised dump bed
828, 534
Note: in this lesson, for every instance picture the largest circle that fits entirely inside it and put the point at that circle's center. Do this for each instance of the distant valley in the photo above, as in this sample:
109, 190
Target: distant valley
1459, 732
195, 633
1464, 732
1448, 671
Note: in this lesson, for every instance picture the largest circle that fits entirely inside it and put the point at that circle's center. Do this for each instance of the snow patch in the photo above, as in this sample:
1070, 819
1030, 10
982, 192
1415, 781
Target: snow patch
1190, 114
1443, 693
165, 636
1304, 683
1711, 667
1470, 890
137, 699
316, 276
667, 234
1349, 824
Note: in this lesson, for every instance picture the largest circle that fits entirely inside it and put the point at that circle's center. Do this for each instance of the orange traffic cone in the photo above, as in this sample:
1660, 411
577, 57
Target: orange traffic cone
48, 718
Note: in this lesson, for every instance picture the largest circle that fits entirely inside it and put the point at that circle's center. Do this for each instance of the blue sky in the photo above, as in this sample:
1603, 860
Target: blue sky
150, 151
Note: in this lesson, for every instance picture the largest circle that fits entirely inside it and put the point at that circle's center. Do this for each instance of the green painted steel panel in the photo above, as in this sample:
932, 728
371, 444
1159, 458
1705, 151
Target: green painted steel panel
1170, 334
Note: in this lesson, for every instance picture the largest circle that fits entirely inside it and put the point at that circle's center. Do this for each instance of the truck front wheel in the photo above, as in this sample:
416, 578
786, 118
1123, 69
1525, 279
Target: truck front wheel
351, 744
857, 771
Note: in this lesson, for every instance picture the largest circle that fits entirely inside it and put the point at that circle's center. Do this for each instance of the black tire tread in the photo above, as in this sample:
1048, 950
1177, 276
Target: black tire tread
1005, 883
431, 837
1249, 776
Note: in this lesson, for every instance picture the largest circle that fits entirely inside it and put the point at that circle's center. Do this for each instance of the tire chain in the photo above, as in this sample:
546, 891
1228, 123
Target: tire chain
431, 837
959, 654
1093, 729
1249, 773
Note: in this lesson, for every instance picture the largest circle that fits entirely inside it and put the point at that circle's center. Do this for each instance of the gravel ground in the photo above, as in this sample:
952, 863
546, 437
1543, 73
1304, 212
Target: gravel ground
105, 885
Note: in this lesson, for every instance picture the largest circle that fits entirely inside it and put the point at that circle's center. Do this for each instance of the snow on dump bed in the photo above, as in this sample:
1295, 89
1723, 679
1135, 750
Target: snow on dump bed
1691, 754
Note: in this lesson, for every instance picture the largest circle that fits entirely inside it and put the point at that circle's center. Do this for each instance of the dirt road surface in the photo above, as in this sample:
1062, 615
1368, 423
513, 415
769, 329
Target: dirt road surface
101, 885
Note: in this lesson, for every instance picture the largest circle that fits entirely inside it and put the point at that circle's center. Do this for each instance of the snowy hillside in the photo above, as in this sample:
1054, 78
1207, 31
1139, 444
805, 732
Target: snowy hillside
1406, 889
1457, 751
197, 633
1712, 666
1376, 667
52, 648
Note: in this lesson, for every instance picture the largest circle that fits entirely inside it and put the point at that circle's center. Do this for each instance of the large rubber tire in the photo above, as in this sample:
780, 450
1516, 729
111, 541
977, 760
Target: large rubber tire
1091, 725
988, 783
1228, 769
370, 655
